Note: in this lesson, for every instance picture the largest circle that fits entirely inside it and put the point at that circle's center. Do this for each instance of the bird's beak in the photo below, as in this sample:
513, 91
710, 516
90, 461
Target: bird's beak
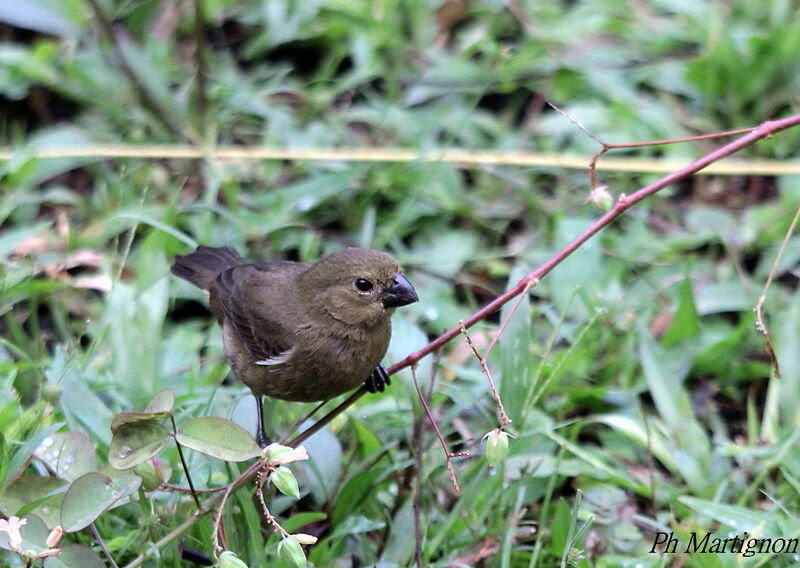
400, 293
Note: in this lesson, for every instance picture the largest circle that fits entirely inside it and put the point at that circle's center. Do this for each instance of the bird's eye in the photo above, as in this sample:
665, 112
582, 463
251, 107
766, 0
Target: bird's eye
363, 285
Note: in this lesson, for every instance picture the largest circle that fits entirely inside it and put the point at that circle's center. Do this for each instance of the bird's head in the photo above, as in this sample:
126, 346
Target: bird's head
358, 286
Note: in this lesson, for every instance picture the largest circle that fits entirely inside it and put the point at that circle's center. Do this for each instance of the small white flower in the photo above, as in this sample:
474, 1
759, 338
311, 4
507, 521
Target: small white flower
284, 454
11, 526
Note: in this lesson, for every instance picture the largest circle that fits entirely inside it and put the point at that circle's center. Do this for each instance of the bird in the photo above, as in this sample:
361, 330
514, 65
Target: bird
301, 331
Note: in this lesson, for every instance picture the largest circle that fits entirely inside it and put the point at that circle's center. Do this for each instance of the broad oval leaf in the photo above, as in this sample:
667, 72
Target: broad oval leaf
68, 454
40, 495
90, 495
124, 418
136, 442
218, 438
75, 556
162, 401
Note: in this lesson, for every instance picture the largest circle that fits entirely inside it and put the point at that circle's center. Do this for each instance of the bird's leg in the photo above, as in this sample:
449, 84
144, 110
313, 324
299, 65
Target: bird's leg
378, 380
261, 436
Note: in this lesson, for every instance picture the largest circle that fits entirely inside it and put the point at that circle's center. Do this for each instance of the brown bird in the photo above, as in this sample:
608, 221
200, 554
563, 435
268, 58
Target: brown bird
301, 331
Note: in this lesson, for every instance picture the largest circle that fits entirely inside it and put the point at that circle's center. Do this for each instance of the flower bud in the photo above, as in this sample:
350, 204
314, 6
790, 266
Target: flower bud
303, 538
54, 536
283, 478
291, 552
601, 198
496, 446
229, 560
147, 471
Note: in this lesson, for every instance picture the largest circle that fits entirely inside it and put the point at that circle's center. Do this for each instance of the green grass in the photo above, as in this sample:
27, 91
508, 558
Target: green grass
640, 395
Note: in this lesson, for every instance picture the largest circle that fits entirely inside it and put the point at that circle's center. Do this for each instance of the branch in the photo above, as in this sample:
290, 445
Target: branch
764, 130
761, 327
606, 146
448, 455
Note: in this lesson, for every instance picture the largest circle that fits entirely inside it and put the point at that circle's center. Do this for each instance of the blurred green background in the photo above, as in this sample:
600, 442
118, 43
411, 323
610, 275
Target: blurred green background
640, 394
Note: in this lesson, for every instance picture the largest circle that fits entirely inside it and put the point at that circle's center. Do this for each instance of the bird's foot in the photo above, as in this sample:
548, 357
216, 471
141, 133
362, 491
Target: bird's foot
378, 380
261, 436
262, 440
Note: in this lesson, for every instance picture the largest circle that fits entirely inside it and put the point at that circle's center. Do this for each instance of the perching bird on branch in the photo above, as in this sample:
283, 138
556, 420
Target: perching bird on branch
302, 331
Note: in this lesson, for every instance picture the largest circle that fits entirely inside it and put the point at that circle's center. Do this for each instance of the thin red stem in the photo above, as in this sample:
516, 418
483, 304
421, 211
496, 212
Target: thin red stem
764, 130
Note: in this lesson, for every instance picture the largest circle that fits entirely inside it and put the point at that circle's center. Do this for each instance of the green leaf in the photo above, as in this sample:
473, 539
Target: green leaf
136, 442
399, 549
218, 438
158, 408
739, 518
368, 442
685, 322
725, 296
89, 496
39, 495
124, 418
559, 528
68, 454
634, 430
664, 370
83, 406
355, 491
35, 16
356, 524
75, 556
162, 401
293, 523
20, 457
664, 376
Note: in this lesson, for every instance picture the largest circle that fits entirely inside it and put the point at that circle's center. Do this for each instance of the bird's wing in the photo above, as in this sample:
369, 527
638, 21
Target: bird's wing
254, 304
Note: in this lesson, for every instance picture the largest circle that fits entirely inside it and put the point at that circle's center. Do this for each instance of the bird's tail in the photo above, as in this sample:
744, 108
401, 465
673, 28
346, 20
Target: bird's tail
202, 266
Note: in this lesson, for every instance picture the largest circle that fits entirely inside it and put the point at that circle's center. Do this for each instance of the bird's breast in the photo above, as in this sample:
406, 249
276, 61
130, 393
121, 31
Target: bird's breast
322, 364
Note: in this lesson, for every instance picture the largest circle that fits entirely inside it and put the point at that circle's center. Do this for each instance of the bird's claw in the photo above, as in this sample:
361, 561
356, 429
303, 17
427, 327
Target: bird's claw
378, 380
